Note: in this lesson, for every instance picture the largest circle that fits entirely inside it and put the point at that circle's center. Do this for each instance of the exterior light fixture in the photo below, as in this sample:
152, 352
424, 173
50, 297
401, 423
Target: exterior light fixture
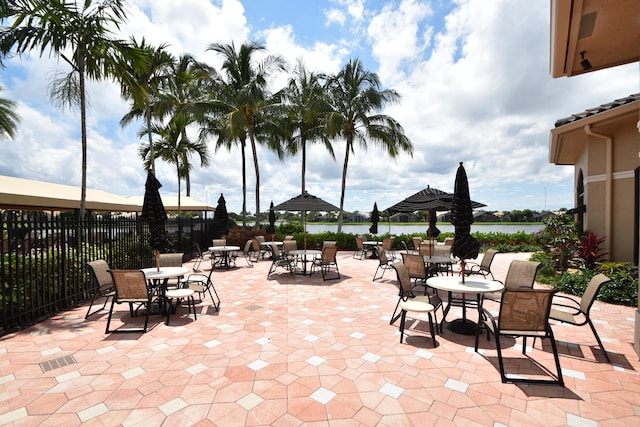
586, 65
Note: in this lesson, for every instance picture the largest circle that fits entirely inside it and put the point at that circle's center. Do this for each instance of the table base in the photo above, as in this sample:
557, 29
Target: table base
462, 326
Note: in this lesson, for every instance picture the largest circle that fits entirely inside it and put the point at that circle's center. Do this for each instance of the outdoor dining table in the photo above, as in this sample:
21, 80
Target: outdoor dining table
476, 286
226, 252
305, 256
371, 245
438, 261
266, 247
158, 279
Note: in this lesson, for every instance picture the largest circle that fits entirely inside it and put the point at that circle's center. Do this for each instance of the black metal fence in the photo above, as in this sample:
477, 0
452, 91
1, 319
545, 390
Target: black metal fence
43, 257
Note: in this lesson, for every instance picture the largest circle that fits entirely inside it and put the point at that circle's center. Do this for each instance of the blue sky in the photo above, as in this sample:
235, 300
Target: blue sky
473, 76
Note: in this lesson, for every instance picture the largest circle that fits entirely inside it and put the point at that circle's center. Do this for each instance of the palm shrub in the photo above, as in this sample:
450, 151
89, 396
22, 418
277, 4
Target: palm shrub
560, 239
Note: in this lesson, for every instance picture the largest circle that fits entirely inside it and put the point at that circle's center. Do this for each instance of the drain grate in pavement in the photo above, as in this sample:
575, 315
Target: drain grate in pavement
57, 363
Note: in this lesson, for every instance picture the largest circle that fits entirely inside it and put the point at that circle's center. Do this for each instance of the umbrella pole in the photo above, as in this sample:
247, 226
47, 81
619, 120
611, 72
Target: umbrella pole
157, 254
462, 269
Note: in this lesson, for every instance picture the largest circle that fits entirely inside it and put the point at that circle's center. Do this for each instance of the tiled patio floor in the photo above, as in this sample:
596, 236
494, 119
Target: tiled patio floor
300, 351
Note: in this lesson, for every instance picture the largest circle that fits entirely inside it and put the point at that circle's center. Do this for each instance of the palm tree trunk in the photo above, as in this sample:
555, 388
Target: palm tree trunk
304, 163
254, 151
344, 183
83, 131
152, 153
243, 143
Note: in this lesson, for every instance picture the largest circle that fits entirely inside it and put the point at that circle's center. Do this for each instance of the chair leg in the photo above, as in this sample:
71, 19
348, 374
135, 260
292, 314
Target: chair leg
110, 313
593, 329
433, 335
403, 317
500, 361
556, 356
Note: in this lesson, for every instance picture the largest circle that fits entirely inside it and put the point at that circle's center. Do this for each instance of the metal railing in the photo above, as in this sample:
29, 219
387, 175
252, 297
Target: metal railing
43, 257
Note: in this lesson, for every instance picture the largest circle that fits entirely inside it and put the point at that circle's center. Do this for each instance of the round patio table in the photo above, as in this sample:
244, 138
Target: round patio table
225, 251
304, 254
157, 279
452, 284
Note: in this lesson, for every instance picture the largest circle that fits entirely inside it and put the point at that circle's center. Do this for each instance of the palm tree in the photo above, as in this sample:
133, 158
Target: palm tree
306, 108
180, 95
152, 79
247, 83
8, 119
356, 97
174, 147
85, 30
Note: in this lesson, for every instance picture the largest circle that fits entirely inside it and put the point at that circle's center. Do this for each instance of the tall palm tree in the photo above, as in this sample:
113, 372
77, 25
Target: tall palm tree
85, 30
357, 98
152, 79
175, 148
247, 82
183, 89
8, 118
306, 109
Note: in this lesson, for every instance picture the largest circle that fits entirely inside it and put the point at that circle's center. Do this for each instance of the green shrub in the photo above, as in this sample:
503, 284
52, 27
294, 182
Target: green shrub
547, 271
622, 290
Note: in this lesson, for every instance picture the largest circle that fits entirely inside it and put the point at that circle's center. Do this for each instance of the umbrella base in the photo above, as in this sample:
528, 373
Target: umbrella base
463, 326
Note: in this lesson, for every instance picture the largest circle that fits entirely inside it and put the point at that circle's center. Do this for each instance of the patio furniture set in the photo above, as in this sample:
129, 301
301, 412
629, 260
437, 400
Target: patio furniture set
524, 311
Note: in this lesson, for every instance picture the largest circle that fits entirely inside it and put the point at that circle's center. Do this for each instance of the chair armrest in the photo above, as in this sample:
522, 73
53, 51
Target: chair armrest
572, 304
488, 317
195, 277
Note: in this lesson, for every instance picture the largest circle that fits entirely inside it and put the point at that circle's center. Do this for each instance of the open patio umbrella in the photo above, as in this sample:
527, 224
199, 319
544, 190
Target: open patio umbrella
221, 218
375, 218
271, 228
154, 214
303, 203
465, 246
432, 200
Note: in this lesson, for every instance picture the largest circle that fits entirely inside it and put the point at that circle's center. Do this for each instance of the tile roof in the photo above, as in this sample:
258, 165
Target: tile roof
597, 110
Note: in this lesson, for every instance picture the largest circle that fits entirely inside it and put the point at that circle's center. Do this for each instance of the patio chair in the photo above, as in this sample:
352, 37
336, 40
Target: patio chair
384, 264
179, 295
101, 284
360, 251
131, 288
576, 312
199, 257
289, 245
280, 260
387, 245
249, 253
408, 302
523, 313
484, 267
202, 283
217, 258
417, 270
406, 248
326, 262
521, 274
417, 241
172, 260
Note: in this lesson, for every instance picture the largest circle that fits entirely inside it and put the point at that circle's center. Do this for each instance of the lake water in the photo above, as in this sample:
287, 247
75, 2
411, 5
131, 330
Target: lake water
397, 228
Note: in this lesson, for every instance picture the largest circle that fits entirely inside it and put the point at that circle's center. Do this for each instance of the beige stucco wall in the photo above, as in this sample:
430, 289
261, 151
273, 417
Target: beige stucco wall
617, 170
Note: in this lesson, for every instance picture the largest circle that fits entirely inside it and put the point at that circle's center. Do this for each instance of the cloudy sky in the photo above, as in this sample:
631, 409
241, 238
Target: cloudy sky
473, 76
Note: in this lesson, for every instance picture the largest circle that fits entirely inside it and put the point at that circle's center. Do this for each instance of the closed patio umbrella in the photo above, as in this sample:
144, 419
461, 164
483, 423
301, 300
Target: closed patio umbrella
154, 214
375, 218
221, 218
271, 228
465, 246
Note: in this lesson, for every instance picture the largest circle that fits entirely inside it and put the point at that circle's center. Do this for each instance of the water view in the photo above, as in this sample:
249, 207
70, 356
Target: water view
398, 229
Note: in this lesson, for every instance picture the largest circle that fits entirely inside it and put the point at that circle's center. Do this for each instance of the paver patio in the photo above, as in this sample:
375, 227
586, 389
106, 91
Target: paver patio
299, 351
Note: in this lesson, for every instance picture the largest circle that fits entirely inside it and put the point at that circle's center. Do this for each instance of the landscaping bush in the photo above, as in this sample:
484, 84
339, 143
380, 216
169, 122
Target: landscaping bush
622, 290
